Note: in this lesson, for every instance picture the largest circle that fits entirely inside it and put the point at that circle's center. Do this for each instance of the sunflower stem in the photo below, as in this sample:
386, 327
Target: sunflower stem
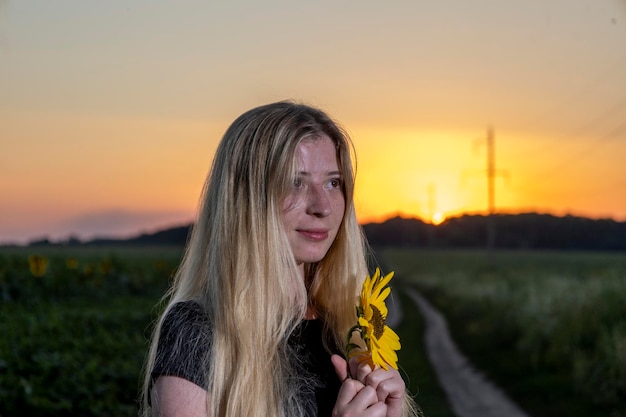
353, 329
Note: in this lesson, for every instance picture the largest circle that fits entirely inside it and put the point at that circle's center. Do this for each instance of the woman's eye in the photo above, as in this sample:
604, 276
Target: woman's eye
335, 183
297, 182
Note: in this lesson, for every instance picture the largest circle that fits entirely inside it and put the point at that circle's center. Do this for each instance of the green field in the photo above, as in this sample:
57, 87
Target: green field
549, 327
74, 339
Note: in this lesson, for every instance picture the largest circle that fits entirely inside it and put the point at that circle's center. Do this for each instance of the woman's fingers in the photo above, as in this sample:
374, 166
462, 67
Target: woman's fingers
356, 399
341, 367
386, 382
359, 367
390, 389
363, 371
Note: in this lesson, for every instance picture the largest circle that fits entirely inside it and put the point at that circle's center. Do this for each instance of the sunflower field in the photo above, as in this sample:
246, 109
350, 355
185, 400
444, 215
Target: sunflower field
74, 325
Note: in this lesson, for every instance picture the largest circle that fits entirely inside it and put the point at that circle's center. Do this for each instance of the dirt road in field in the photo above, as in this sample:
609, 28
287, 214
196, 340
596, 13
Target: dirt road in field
468, 391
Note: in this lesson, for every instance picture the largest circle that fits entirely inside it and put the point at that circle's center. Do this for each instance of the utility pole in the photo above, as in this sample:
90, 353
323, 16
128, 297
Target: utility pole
491, 189
431, 213
431, 202
492, 173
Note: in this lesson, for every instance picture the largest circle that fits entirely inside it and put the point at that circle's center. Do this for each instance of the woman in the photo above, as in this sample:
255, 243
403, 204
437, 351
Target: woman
265, 294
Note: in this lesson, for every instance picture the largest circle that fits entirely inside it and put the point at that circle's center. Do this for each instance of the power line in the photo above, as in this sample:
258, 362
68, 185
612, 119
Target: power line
616, 67
545, 148
592, 148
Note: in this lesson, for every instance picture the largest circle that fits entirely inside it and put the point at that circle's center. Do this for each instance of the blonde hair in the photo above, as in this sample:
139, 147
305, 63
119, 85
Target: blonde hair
239, 267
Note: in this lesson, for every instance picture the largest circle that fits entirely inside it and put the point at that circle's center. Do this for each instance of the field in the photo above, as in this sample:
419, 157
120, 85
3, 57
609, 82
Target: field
74, 324
549, 327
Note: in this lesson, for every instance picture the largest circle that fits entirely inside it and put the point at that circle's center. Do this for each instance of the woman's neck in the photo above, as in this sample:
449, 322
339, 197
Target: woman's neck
311, 313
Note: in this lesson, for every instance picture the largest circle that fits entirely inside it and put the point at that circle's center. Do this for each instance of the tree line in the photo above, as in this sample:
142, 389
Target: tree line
512, 231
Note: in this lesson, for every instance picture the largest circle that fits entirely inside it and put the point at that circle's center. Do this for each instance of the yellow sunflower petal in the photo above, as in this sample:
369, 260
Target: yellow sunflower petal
380, 298
389, 354
367, 286
391, 339
380, 305
385, 354
381, 283
388, 360
383, 358
366, 292
377, 360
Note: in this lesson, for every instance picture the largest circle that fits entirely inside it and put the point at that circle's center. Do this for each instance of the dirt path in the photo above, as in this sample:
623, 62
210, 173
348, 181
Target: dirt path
470, 394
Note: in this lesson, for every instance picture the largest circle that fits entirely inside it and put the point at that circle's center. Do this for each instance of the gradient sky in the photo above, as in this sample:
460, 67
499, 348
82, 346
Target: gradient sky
110, 111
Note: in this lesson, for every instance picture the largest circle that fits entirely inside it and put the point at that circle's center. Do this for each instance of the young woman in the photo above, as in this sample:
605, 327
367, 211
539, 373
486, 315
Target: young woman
266, 292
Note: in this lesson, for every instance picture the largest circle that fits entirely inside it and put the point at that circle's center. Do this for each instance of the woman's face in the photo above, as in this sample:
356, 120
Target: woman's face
314, 208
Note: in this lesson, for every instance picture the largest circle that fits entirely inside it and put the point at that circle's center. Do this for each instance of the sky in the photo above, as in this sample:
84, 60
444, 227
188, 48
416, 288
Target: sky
110, 111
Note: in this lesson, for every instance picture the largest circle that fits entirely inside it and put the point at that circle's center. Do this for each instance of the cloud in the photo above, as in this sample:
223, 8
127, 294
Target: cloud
122, 223
108, 223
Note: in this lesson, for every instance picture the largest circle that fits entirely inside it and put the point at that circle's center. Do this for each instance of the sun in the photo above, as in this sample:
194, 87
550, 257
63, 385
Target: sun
438, 218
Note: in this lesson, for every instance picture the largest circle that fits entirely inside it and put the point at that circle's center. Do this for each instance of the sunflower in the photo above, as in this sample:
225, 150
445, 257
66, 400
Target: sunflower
38, 265
381, 341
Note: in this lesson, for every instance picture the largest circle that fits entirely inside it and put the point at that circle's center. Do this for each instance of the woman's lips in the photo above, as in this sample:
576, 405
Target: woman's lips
314, 234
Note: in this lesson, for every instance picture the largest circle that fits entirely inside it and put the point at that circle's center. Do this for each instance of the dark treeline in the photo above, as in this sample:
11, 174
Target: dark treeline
512, 231
176, 236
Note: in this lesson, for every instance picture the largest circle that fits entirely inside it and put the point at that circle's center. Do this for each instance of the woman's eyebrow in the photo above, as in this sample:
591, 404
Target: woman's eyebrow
329, 173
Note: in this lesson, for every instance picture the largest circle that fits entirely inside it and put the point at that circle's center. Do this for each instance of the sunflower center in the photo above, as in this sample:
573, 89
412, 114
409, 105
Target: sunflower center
378, 321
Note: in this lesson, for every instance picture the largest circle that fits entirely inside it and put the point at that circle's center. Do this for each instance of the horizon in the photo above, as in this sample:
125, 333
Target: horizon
111, 113
153, 229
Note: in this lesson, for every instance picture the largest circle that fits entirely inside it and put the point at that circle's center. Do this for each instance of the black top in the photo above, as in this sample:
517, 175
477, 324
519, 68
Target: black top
187, 327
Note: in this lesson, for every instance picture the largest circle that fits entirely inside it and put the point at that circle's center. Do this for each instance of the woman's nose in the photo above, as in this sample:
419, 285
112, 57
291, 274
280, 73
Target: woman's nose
318, 203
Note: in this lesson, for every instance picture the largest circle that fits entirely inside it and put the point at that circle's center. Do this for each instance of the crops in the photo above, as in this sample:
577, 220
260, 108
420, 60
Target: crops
549, 327
74, 325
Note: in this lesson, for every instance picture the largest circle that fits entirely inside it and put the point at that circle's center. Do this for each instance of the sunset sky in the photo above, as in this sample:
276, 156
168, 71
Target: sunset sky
110, 111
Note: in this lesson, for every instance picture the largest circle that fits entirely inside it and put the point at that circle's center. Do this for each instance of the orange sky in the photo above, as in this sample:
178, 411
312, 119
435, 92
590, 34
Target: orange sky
109, 115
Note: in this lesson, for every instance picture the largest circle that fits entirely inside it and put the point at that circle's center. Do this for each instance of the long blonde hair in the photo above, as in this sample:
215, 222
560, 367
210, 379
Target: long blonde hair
239, 266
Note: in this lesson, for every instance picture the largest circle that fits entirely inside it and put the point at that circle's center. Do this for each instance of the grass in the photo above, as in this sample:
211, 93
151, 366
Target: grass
550, 328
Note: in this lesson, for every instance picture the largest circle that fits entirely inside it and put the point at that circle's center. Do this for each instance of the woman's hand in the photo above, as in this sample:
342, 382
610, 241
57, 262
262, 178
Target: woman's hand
371, 393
